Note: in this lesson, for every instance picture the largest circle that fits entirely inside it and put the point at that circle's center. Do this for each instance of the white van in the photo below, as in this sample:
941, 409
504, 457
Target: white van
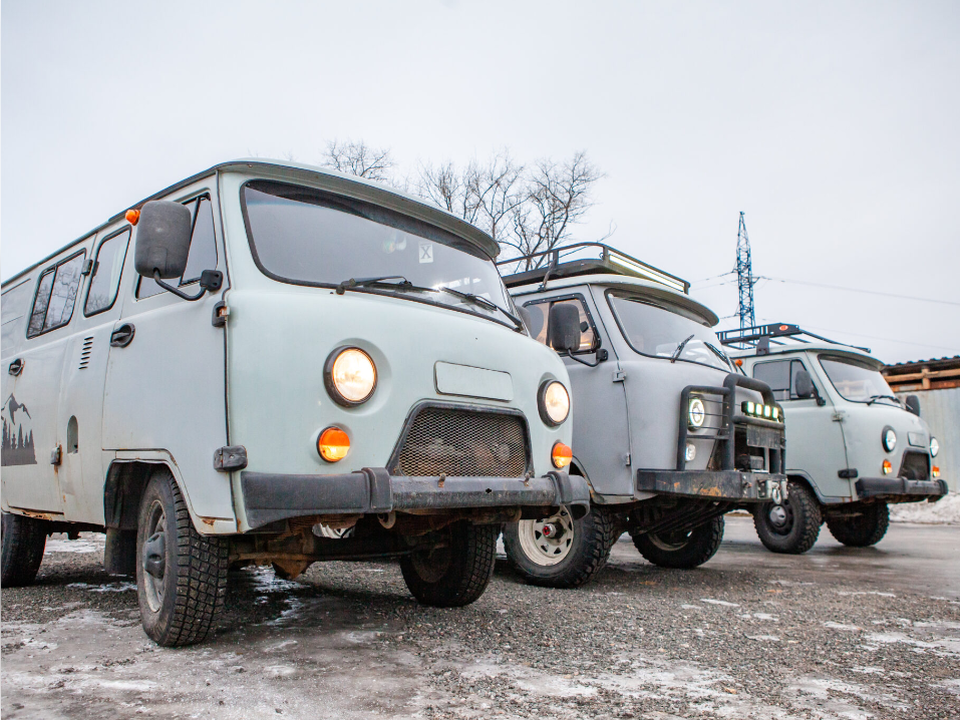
854, 447
269, 363
667, 433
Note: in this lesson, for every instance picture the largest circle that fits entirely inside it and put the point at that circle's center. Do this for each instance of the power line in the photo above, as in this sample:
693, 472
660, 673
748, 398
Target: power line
858, 290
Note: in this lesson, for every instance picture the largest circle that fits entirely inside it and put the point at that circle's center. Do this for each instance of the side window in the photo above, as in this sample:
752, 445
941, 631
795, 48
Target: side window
538, 315
105, 278
781, 376
56, 296
203, 250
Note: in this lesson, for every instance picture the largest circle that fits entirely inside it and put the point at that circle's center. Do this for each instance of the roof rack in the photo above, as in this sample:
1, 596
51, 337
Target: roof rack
584, 259
760, 337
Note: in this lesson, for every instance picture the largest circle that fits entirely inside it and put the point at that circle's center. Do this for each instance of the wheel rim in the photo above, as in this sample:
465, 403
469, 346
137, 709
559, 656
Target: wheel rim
547, 541
431, 565
154, 558
780, 518
671, 542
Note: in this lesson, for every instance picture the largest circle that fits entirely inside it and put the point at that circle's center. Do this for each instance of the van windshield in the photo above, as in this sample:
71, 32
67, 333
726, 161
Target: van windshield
305, 236
856, 381
659, 332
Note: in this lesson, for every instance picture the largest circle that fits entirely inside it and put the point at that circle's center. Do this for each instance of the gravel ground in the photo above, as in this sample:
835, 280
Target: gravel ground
346, 640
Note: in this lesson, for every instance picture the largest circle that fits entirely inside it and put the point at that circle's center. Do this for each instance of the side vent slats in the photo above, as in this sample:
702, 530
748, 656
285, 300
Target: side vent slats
85, 352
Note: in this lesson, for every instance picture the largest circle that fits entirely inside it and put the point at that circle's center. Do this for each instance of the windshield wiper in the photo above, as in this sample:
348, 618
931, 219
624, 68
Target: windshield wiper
719, 353
874, 398
382, 280
483, 302
680, 347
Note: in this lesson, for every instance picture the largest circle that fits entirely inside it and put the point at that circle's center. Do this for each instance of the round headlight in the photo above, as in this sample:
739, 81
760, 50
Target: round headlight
889, 439
934, 446
350, 376
554, 403
696, 413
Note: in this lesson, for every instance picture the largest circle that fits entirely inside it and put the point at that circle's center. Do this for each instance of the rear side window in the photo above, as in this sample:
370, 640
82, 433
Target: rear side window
781, 376
538, 314
105, 277
56, 295
203, 250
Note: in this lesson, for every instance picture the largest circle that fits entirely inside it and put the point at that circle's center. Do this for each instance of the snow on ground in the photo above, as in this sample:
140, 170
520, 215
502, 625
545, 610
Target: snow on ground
944, 512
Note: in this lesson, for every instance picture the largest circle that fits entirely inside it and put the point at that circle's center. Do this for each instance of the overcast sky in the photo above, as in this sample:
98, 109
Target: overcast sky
835, 126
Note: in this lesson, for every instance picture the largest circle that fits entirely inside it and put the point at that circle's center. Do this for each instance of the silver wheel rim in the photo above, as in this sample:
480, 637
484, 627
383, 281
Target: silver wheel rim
666, 545
154, 587
778, 516
546, 549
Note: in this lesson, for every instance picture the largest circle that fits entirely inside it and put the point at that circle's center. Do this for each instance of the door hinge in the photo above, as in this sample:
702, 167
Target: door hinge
626, 459
56, 455
838, 416
619, 376
230, 457
220, 314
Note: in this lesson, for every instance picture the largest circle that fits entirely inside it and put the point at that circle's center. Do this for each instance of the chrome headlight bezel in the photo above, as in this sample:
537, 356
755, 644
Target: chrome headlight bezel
333, 374
696, 413
551, 387
934, 446
888, 438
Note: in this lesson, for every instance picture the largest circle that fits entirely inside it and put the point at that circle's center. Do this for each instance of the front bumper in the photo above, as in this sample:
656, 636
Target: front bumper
718, 485
270, 497
901, 489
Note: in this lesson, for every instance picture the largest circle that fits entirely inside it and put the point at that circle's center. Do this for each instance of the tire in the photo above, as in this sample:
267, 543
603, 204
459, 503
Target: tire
457, 573
181, 575
792, 527
565, 559
682, 550
24, 540
866, 529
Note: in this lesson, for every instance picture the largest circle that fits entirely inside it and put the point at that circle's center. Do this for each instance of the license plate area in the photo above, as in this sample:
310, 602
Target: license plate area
763, 437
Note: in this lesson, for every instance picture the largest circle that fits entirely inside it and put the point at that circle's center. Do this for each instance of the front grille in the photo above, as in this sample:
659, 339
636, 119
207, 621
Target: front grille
464, 442
916, 466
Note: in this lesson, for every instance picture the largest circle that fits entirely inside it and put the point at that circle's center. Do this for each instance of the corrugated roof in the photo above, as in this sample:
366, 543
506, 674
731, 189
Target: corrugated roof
933, 364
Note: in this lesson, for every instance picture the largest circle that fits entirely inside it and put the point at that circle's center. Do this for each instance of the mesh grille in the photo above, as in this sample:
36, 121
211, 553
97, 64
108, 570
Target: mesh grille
915, 466
464, 442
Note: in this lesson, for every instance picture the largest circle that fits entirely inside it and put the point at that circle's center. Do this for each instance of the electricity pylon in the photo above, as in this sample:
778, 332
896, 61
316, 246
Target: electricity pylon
745, 278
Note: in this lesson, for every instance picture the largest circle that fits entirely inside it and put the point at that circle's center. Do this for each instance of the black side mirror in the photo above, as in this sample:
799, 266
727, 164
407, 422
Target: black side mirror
163, 239
563, 331
913, 404
803, 384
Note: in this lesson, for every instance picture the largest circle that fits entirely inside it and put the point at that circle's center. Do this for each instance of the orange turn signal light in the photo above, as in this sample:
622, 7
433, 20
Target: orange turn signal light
333, 444
561, 455
936, 471
738, 362
132, 216
887, 467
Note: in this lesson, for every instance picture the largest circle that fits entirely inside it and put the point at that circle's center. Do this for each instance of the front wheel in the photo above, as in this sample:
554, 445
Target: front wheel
181, 575
791, 527
24, 540
684, 549
458, 571
867, 528
561, 552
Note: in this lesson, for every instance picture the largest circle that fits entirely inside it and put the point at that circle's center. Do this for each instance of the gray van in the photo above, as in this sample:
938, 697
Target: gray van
269, 363
854, 446
667, 435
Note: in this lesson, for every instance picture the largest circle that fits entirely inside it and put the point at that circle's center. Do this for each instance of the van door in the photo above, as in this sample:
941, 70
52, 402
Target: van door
165, 381
31, 449
814, 438
80, 411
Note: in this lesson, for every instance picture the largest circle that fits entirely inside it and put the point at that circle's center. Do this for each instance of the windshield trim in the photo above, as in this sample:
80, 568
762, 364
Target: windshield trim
865, 366
480, 254
658, 306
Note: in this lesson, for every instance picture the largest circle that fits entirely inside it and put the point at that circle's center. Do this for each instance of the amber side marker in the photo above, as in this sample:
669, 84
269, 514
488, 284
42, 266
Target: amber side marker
333, 444
887, 467
561, 455
132, 216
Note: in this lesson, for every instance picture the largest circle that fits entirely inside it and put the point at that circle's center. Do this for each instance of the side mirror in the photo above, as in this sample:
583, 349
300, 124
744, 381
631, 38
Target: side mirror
533, 327
804, 385
913, 404
563, 332
163, 239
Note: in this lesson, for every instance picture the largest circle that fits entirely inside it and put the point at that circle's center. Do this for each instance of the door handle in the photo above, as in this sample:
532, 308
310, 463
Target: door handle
16, 367
123, 335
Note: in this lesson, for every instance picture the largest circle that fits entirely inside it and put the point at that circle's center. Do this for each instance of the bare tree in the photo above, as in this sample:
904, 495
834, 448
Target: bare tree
358, 158
556, 197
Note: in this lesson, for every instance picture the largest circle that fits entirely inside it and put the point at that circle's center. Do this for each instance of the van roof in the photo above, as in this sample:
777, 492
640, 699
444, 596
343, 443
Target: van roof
648, 288
812, 347
325, 179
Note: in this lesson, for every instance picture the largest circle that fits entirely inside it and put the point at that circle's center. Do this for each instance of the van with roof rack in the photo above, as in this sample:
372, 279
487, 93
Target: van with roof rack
268, 363
666, 433
855, 447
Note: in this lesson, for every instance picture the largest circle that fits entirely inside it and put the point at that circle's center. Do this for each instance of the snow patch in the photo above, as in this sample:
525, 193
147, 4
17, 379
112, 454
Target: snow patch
81, 545
109, 587
724, 603
946, 511
841, 626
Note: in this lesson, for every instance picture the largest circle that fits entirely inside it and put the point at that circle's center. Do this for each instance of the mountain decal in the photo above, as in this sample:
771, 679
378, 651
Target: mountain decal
17, 446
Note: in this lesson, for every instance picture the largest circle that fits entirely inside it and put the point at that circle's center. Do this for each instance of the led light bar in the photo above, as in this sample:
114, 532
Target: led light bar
759, 410
647, 272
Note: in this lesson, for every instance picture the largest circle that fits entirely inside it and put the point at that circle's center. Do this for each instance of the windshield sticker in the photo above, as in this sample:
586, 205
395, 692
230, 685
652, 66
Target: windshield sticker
426, 252
17, 434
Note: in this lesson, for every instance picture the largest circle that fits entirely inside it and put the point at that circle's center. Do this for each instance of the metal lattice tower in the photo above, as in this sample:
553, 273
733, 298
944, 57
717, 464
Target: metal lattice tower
745, 278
